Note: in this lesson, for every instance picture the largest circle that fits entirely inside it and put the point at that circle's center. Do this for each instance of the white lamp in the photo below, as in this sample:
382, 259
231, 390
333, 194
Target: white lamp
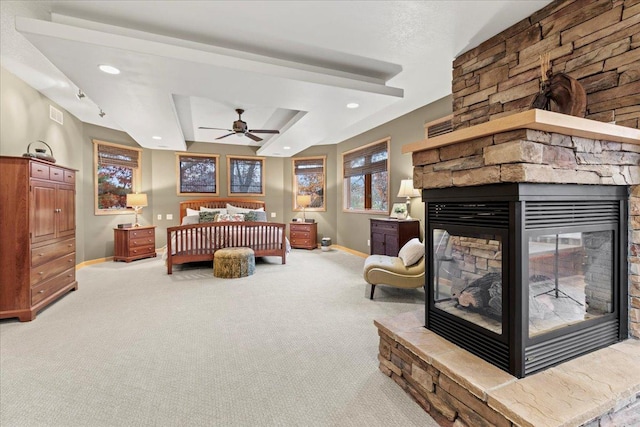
407, 190
303, 200
136, 201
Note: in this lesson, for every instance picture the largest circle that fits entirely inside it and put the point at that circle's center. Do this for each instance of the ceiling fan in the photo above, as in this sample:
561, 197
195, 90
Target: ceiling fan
240, 128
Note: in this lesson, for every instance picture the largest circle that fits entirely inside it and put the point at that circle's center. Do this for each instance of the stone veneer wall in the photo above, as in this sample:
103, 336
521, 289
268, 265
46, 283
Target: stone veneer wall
596, 42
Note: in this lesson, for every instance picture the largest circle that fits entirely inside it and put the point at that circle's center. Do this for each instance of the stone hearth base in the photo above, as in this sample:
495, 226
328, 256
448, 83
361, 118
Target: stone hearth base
459, 389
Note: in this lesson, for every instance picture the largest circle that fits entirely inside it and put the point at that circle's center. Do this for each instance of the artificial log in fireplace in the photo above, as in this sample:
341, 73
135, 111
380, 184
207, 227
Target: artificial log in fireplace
527, 276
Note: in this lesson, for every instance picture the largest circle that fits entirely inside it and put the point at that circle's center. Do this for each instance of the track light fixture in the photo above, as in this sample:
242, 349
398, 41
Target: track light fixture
80, 94
102, 113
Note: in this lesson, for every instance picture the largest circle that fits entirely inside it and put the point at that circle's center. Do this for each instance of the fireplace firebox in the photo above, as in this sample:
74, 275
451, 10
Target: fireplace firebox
524, 275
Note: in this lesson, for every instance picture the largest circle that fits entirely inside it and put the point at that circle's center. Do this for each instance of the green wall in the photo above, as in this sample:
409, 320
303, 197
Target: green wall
353, 228
24, 117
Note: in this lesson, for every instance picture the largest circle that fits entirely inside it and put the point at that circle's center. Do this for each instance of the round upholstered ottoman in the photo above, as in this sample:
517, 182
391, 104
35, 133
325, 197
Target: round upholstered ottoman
231, 263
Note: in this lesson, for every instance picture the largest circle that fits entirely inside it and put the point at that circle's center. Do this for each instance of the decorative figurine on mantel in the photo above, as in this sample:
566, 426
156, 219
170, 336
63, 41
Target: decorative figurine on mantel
566, 92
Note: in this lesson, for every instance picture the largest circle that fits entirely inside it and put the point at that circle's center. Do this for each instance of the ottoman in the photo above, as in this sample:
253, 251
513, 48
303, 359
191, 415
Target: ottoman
231, 263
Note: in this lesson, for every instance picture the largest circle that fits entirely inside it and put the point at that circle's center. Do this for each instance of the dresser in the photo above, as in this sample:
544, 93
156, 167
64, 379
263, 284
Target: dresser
130, 244
303, 235
388, 235
37, 243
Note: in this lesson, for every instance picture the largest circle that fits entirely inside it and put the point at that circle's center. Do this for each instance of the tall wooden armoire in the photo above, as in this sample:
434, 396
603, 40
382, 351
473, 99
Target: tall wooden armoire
37, 235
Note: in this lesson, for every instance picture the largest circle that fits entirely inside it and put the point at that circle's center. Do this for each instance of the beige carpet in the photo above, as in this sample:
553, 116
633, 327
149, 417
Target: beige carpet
292, 345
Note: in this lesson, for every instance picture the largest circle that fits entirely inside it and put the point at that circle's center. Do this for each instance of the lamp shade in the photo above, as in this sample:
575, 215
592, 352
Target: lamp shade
303, 200
407, 190
136, 199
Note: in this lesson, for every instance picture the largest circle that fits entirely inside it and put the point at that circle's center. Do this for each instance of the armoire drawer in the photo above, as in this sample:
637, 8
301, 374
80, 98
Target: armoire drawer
44, 254
51, 286
52, 268
38, 170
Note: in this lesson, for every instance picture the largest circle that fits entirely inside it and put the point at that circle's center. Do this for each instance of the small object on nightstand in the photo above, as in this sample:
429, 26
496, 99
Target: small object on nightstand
134, 243
303, 235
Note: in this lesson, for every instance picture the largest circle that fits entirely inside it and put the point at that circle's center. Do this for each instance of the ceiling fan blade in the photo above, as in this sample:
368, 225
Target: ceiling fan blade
228, 130
255, 138
264, 131
224, 136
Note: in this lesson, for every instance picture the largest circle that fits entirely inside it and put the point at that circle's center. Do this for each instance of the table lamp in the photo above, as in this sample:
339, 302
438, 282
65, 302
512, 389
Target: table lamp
407, 190
136, 201
303, 200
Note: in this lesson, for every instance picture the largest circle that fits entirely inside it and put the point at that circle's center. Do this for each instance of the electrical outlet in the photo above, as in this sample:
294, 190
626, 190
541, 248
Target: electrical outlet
273, 214
368, 242
159, 216
169, 216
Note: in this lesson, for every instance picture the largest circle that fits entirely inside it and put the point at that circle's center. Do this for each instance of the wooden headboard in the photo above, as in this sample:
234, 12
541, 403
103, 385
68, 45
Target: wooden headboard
218, 203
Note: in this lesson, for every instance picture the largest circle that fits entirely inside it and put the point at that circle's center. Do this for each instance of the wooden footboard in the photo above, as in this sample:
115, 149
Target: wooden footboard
199, 242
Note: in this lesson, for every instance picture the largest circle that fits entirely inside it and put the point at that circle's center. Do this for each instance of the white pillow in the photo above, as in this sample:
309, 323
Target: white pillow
190, 219
236, 210
193, 212
411, 252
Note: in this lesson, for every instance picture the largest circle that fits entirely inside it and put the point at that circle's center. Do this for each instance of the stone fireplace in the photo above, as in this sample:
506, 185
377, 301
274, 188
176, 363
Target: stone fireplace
573, 280
527, 276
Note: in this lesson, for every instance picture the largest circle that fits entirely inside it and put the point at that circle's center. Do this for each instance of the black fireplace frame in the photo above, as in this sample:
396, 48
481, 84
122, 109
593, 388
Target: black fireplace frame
506, 208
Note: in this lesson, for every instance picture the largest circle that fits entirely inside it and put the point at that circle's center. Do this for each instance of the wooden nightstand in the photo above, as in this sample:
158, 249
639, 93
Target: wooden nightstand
388, 235
134, 243
303, 235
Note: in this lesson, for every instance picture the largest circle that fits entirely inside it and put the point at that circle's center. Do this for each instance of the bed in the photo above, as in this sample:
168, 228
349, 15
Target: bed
199, 242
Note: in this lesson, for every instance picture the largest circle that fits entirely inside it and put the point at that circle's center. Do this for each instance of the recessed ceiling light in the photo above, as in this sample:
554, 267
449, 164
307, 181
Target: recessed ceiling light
156, 137
353, 105
109, 69
286, 148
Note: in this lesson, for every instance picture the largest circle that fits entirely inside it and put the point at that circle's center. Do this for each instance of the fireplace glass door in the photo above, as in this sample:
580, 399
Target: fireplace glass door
467, 280
570, 279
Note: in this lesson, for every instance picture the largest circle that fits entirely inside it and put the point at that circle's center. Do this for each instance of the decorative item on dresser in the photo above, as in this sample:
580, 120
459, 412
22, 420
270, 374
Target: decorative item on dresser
303, 235
388, 235
37, 243
134, 243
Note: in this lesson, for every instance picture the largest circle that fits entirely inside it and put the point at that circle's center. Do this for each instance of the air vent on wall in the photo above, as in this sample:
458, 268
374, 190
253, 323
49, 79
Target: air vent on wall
55, 114
438, 127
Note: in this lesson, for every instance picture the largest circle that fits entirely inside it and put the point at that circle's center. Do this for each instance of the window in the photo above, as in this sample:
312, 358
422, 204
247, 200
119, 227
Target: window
117, 174
366, 178
197, 174
309, 180
245, 175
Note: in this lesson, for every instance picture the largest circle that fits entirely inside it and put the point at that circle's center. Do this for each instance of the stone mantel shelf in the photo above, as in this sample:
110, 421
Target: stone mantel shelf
533, 119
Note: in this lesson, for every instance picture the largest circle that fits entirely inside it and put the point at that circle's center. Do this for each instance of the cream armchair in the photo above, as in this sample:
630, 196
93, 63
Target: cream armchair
392, 271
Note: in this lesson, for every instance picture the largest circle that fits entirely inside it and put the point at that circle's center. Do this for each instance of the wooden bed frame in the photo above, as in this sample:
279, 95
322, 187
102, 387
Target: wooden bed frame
199, 242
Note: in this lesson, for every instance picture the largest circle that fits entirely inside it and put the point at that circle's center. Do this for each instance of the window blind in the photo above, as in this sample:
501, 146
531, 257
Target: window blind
109, 155
369, 160
308, 166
